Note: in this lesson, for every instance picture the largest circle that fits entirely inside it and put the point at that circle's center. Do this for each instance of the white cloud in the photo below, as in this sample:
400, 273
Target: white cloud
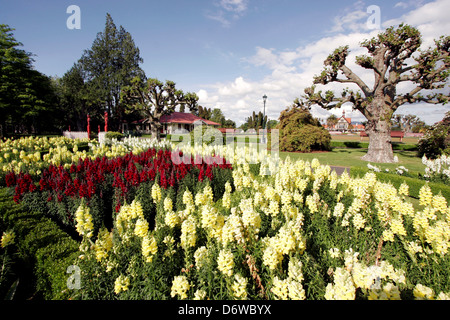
408, 4
238, 87
228, 11
352, 19
290, 71
237, 6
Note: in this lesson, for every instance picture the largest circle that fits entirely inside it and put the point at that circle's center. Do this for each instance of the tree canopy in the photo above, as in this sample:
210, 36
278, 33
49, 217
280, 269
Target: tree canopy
394, 58
26, 95
155, 99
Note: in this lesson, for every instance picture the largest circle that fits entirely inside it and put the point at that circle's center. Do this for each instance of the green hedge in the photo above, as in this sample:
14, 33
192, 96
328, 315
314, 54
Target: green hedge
365, 145
414, 183
42, 246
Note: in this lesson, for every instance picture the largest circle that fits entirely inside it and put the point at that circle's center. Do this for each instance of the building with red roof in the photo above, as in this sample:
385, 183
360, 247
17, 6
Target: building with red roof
177, 121
345, 125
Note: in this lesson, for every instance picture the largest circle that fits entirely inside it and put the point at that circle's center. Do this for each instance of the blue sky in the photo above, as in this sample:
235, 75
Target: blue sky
230, 52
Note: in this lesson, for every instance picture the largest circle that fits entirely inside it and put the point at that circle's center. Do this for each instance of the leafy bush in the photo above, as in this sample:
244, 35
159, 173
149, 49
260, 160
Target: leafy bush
436, 140
306, 139
299, 131
113, 135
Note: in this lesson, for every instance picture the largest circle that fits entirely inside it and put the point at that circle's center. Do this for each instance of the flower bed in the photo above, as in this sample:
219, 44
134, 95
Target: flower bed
104, 183
153, 228
302, 233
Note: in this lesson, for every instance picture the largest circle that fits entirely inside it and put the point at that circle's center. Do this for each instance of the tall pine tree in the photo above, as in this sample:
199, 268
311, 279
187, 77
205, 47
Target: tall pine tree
109, 65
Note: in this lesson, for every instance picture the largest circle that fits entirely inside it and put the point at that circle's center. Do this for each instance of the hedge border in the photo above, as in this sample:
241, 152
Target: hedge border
413, 183
42, 245
365, 145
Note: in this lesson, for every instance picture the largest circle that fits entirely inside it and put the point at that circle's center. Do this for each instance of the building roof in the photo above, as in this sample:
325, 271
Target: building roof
185, 118
349, 120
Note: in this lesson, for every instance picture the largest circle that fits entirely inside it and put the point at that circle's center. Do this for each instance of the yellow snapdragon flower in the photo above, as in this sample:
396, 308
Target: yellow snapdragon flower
83, 218
121, 284
180, 287
149, 248
239, 287
7, 238
225, 262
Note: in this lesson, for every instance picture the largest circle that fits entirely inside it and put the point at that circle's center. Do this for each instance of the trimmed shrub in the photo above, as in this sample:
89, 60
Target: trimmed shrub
300, 131
306, 139
44, 249
113, 135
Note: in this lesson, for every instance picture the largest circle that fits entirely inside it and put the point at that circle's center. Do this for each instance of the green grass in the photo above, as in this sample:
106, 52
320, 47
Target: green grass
352, 158
356, 137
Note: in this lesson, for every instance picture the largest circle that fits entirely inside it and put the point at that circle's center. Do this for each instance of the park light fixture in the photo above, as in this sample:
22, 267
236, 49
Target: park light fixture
264, 116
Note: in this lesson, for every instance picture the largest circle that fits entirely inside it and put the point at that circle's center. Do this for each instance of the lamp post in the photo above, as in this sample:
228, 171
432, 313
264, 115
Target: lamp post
264, 116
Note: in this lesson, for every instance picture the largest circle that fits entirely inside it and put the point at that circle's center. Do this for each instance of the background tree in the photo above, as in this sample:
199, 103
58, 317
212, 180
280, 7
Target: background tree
73, 95
300, 131
204, 113
26, 95
332, 120
390, 54
436, 140
255, 121
406, 123
155, 99
217, 116
109, 65
230, 124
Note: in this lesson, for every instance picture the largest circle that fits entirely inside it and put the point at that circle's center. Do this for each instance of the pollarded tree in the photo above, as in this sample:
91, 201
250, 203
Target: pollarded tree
393, 61
155, 99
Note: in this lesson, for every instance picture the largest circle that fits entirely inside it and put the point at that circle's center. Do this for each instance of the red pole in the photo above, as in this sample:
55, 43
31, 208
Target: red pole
89, 126
106, 121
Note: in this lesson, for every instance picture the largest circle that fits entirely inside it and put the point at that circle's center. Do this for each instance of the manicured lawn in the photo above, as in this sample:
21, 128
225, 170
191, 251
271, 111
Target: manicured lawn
352, 157
356, 137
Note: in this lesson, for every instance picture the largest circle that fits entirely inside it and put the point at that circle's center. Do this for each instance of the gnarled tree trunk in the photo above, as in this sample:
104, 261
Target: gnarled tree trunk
380, 147
156, 130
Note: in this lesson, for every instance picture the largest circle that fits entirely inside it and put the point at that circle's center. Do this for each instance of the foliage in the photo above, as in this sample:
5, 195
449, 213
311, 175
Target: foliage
436, 140
426, 71
407, 123
303, 233
108, 66
27, 99
414, 183
256, 121
155, 99
43, 251
113, 135
301, 132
